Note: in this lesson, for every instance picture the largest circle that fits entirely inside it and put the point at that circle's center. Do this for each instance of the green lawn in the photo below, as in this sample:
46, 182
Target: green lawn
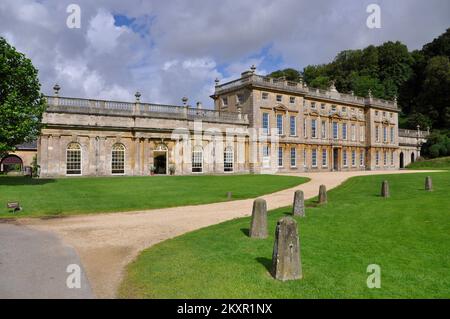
436, 163
41, 197
408, 235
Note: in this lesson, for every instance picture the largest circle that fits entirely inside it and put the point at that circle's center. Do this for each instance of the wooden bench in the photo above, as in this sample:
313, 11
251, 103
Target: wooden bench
15, 206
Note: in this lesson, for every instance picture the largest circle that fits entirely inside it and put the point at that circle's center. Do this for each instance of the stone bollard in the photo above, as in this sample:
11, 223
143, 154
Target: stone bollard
298, 207
286, 264
385, 189
258, 226
322, 194
428, 184
229, 195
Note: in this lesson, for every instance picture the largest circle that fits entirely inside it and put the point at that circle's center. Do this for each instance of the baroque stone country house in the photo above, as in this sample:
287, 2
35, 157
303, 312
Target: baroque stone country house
259, 124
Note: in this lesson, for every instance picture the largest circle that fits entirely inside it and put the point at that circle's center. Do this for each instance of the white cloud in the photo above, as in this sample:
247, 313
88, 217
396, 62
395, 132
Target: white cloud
190, 43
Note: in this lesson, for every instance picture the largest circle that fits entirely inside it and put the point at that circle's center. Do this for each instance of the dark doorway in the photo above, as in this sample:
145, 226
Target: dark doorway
11, 163
412, 157
335, 159
160, 162
402, 161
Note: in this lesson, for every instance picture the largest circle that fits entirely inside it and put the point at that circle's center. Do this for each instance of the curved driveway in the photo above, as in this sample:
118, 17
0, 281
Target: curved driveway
106, 243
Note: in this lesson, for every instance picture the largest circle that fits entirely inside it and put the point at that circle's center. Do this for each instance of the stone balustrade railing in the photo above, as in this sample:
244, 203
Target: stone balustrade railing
299, 87
102, 107
413, 133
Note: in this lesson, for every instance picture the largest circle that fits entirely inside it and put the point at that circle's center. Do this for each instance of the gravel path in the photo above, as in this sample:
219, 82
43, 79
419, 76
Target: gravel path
106, 243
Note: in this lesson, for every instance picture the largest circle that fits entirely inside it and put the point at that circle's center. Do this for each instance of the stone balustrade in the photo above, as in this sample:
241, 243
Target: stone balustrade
102, 107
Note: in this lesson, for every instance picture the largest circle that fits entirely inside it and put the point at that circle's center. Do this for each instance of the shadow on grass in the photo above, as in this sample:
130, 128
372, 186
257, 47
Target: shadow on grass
21, 180
245, 231
266, 262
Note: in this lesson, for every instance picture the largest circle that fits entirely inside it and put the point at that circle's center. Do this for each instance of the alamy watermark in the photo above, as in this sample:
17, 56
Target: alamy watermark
374, 279
74, 19
374, 19
73, 280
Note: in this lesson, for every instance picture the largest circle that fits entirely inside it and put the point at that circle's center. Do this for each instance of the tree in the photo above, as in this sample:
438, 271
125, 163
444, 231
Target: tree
289, 74
21, 103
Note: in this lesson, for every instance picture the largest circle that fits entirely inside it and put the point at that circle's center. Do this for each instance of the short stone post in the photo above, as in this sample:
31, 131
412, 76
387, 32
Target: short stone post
286, 264
258, 226
323, 194
428, 184
385, 189
298, 207
229, 195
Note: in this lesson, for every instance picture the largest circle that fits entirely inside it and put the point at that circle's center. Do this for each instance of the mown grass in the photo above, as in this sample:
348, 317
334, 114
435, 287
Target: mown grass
407, 235
435, 163
65, 196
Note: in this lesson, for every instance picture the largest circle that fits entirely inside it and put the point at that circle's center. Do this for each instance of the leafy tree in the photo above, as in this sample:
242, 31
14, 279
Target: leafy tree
21, 103
289, 74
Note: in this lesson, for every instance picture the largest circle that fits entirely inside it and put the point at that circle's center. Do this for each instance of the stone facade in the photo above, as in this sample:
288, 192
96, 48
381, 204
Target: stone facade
259, 124
319, 130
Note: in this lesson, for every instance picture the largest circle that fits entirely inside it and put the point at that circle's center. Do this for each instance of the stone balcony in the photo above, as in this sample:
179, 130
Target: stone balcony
264, 82
128, 109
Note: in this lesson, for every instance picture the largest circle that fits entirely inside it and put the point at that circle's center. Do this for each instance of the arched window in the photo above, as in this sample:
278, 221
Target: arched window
73, 159
118, 159
197, 159
228, 159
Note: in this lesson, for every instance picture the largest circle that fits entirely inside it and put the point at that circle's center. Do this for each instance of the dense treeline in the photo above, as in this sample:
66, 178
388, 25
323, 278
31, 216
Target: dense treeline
420, 79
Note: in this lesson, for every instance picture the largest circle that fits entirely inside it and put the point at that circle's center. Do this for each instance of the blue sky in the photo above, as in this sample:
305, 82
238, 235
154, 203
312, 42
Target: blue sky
171, 49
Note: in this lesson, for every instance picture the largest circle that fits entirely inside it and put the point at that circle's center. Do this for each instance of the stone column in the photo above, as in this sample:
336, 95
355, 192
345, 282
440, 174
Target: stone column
428, 184
258, 226
286, 263
385, 189
322, 194
298, 207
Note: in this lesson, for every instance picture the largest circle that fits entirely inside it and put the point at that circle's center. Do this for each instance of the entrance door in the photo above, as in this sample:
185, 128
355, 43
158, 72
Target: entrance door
402, 161
160, 162
335, 159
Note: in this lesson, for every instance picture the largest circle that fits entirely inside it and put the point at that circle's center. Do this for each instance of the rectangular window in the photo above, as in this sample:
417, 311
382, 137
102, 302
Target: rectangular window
384, 134
305, 129
279, 98
280, 157
353, 158
385, 158
225, 101
361, 133
324, 157
314, 157
335, 130
353, 132
293, 126
313, 128
322, 106
240, 98
392, 157
361, 158
323, 129
377, 133
333, 108
265, 95
304, 158
344, 158
293, 157
280, 124
313, 105
344, 109
265, 123
344, 131
377, 158
266, 156
392, 135
292, 99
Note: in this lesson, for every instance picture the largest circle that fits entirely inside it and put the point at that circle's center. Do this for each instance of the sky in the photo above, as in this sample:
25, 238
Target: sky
174, 48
